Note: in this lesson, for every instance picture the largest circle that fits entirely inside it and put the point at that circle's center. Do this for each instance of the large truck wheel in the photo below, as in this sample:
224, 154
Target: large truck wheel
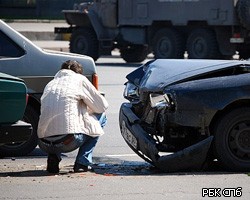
202, 44
23, 148
84, 41
134, 54
232, 140
243, 11
244, 54
168, 43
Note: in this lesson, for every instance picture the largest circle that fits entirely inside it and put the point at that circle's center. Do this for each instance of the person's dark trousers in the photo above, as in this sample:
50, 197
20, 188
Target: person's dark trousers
53, 163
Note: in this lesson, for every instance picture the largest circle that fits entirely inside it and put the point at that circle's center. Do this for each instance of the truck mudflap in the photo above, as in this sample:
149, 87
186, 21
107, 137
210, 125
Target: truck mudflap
190, 158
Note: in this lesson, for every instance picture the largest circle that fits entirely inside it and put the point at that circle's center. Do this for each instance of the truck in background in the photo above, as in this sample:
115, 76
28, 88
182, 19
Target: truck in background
205, 29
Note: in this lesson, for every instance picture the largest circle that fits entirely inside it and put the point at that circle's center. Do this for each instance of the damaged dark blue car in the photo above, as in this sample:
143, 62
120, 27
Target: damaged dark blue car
183, 114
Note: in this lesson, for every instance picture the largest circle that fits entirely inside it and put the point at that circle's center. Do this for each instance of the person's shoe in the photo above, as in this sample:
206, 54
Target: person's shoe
81, 168
53, 164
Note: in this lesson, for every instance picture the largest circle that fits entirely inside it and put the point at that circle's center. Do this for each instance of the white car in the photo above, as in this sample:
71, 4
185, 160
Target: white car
20, 57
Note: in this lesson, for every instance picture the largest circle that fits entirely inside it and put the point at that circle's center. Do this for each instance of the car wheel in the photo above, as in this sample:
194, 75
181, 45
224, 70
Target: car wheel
23, 148
244, 54
134, 54
168, 43
84, 41
232, 140
202, 44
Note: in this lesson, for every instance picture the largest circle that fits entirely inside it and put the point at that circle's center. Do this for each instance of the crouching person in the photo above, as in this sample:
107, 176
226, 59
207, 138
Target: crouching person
72, 116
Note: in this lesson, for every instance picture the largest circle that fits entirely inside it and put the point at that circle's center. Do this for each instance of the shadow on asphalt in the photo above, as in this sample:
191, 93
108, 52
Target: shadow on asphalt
107, 166
28, 173
127, 169
115, 167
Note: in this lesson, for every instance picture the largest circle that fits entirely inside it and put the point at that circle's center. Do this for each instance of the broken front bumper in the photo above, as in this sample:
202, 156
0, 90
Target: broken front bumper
190, 158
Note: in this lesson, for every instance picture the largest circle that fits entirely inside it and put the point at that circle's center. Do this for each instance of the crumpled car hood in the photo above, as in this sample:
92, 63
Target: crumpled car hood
162, 72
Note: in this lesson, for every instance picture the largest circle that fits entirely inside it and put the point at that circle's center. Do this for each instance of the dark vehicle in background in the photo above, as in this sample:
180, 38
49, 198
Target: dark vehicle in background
206, 29
21, 58
183, 114
34, 9
13, 99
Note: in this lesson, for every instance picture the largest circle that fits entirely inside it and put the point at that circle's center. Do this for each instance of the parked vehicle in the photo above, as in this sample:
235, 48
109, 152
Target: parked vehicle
197, 110
20, 57
13, 99
204, 28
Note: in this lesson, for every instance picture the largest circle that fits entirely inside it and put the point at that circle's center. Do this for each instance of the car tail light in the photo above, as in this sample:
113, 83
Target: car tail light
237, 38
95, 80
236, 35
27, 98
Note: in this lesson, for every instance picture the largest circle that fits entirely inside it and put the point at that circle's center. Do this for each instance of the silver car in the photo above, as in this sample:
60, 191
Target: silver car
20, 57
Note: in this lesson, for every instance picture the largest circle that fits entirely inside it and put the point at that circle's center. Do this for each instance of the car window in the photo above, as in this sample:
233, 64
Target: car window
8, 48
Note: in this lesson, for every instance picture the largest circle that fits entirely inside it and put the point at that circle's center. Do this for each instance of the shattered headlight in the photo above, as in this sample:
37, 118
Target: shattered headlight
159, 100
131, 92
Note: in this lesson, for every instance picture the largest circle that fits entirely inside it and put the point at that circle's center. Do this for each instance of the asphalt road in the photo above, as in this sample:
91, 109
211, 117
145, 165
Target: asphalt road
119, 174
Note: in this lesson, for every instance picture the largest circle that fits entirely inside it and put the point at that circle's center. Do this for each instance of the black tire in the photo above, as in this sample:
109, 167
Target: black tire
168, 43
244, 52
23, 148
84, 41
232, 140
244, 55
243, 11
134, 54
202, 44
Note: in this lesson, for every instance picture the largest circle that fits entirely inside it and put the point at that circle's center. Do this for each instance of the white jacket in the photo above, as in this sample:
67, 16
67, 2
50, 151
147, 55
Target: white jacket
67, 104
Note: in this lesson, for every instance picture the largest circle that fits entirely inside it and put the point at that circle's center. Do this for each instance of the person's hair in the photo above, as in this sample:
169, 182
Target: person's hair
73, 65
